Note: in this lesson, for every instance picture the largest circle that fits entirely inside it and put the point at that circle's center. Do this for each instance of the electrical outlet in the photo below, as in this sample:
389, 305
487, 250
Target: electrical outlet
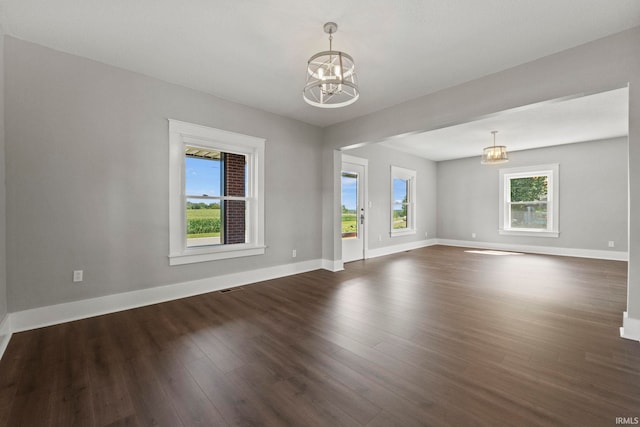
611, 243
294, 254
379, 237
77, 275
426, 234
473, 235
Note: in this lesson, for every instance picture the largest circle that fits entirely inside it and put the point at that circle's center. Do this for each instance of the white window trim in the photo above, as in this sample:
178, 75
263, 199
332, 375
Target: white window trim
553, 198
409, 175
182, 134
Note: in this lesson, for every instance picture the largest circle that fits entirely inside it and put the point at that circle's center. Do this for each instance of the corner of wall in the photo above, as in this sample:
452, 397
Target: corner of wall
3, 217
630, 328
5, 333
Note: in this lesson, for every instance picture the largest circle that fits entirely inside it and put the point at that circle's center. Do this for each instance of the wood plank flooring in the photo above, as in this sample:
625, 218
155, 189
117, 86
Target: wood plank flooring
435, 336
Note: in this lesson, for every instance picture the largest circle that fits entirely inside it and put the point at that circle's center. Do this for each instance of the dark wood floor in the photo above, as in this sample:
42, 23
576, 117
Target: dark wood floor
435, 336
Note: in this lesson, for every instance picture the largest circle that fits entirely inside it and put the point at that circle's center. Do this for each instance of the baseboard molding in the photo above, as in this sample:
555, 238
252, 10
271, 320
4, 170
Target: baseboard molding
630, 328
66, 312
5, 333
331, 265
394, 249
544, 250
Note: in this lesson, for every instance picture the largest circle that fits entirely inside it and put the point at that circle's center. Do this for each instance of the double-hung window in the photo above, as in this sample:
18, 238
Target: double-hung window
216, 194
403, 195
529, 201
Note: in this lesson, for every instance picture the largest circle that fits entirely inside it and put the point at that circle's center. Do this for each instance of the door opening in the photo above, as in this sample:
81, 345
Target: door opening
353, 218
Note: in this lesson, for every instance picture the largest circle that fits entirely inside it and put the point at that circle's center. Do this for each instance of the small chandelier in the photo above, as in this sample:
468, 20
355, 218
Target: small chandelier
331, 77
495, 154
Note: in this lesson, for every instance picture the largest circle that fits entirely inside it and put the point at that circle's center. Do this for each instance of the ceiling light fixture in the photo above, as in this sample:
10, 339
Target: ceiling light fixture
495, 154
331, 77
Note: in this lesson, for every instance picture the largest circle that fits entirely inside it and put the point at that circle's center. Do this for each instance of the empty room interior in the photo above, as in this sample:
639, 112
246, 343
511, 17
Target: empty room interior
345, 213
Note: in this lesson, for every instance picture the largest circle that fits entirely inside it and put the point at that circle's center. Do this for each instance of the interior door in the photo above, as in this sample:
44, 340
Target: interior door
353, 211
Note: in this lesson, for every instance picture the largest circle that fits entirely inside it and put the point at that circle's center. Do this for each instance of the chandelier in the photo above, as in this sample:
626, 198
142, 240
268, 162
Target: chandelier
331, 77
495, 154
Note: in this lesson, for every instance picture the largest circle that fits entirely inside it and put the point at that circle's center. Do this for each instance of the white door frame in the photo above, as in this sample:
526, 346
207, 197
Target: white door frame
365, 189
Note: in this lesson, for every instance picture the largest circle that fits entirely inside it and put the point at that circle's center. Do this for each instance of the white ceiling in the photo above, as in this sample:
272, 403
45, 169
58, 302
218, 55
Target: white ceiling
255, 51
587, 118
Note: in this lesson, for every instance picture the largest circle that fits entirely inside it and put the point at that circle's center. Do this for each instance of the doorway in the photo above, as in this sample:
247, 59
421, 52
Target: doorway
353, 181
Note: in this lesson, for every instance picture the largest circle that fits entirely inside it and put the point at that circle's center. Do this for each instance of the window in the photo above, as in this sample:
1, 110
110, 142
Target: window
529, 201
216, 194
403, 194
216, 197
349, 205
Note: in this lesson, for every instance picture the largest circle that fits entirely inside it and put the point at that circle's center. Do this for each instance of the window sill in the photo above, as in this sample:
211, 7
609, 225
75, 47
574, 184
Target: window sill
396, 233
193, 255
532, 233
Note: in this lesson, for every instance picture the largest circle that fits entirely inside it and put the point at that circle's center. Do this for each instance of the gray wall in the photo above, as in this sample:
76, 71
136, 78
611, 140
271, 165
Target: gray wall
380, 161
87, 181
3, 204
593, 196
604, 64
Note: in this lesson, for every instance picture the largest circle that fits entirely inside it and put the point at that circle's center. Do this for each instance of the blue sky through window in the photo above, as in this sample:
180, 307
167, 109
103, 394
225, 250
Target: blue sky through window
349, 192
399, 190
202, 177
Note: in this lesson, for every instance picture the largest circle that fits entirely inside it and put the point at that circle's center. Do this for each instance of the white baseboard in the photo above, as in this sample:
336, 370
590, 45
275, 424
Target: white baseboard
394, 249
331, 265
544, 250
66, 312
5, 333
630, 328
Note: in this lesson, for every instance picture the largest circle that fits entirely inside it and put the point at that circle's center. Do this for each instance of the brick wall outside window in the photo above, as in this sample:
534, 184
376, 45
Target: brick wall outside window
234, 210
